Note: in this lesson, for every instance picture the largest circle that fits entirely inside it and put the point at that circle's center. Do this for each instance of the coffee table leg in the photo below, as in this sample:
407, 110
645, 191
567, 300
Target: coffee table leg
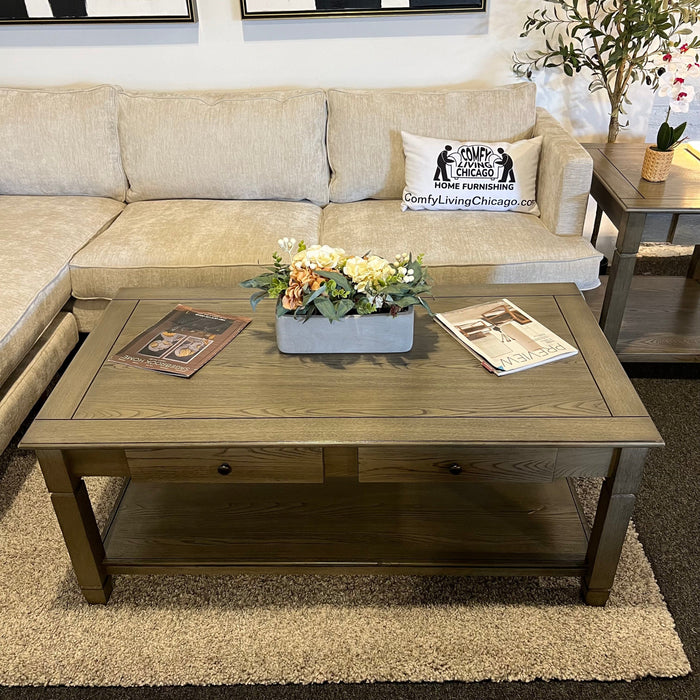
612, 517
77, 521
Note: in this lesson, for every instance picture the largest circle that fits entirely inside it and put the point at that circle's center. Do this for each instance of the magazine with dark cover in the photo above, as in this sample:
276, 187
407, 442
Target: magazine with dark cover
503, 337
182, 342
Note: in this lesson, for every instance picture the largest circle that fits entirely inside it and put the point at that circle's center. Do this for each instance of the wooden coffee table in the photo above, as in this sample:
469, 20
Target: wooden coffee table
416, 463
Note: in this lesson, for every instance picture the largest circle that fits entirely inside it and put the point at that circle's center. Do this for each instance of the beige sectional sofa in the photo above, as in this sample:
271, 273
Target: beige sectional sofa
102, 188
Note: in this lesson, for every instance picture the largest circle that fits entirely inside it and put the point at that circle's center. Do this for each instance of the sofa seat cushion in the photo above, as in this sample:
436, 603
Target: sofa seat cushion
189, 243
472, 247
235, 145
39, 236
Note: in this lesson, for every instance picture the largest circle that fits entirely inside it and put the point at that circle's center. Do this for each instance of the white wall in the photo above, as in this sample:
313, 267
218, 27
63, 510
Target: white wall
223, 51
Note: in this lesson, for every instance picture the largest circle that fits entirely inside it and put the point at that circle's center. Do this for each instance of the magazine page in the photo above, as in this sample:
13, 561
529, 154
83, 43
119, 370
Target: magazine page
182, 342
504, 337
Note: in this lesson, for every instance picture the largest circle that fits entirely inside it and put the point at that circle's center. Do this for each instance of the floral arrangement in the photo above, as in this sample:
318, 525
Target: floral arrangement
674, 67
327, 281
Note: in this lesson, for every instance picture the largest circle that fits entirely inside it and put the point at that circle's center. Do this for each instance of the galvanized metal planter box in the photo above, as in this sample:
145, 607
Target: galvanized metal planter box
351, 334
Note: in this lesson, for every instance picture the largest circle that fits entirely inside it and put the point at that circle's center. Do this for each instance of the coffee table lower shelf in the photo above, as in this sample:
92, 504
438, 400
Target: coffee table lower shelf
342, 527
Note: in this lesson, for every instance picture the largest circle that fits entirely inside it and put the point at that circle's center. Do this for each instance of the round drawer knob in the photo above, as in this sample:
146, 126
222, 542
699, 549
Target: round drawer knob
224, 469
455, 469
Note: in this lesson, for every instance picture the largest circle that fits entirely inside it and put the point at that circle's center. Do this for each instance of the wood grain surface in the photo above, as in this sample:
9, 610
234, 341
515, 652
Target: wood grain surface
237, 465
251, 394
619, 166
661, 321
530, 525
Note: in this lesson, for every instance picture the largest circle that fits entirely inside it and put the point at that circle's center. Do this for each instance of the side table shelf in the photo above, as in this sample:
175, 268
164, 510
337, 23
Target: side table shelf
662, 319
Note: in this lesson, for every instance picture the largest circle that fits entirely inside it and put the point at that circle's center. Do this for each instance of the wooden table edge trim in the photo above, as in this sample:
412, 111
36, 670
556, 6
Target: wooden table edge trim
612, 381
599, 433
620, 173
77, 379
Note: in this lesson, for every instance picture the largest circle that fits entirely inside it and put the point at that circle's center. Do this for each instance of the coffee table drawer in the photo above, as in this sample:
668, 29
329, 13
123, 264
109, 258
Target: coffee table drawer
243, 465
455, 464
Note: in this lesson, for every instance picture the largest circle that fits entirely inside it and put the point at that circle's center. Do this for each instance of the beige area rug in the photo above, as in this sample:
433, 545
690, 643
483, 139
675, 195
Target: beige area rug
663, 259
295, 629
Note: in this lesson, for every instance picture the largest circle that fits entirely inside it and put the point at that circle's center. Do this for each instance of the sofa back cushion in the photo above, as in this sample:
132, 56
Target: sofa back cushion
364, 130
235, 145
60, 142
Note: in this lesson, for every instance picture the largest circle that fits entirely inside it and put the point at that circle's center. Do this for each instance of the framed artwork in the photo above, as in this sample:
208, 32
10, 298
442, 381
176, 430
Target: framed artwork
66, 11
285, 9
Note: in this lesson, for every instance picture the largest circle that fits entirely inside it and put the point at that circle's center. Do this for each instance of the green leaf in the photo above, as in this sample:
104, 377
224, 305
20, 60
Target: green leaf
341, 280
678, 132
258, 282
343, 307
424, 304
325, 307
398, 288
568, 70
279, 309
255, 298
664, 137
308, 312
406, 301
315, 294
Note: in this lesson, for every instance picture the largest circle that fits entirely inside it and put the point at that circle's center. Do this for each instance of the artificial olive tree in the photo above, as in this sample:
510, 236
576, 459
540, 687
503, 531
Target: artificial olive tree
612, 41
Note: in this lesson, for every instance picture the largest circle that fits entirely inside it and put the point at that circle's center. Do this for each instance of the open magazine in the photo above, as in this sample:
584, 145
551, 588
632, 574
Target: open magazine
182, 342
503, 337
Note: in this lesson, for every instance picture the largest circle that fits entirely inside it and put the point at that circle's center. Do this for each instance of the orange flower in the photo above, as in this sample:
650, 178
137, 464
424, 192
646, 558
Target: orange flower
300, 281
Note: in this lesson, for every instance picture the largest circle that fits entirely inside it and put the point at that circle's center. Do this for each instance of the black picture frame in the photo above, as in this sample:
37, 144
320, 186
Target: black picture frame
254, 9
79, 12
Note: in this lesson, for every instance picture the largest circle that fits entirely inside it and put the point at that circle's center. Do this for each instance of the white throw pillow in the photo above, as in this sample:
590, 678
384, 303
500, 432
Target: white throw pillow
444, 174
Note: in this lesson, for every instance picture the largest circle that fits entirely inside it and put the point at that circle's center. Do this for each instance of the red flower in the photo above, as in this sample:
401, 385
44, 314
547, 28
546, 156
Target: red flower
667, 57
681, 95
679, 80
683, 48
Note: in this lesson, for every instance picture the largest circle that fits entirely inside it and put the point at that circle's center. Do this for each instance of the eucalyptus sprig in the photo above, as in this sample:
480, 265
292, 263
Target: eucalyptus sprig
612, 40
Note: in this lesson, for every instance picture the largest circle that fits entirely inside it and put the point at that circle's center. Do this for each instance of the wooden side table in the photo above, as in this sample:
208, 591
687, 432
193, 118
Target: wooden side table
666, 325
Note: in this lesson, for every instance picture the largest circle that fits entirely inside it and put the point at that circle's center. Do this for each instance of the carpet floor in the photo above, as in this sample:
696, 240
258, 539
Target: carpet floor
667, 516
296, 629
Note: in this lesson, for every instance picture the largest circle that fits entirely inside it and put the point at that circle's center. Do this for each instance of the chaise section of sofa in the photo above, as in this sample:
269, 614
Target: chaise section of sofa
40, 235
60, 185
365, 151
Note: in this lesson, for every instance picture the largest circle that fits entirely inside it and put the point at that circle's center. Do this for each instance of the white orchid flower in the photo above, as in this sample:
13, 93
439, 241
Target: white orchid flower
693, 70
681, 97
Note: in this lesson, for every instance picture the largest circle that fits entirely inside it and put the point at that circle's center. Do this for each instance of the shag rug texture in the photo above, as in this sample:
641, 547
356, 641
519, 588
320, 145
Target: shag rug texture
663, 259
308, 629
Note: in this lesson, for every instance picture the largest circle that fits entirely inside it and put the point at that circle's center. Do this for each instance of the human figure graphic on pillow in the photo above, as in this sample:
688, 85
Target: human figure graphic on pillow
443, 159
507, 162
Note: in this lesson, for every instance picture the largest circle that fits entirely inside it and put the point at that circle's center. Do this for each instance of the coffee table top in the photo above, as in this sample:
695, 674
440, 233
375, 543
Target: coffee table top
251, 394
618, 166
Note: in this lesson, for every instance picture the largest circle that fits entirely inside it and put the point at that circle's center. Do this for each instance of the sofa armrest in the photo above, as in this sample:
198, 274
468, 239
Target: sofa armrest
564, 177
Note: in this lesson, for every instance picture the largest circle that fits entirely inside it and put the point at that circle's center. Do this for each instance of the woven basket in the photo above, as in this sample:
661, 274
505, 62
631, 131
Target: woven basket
656, 165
